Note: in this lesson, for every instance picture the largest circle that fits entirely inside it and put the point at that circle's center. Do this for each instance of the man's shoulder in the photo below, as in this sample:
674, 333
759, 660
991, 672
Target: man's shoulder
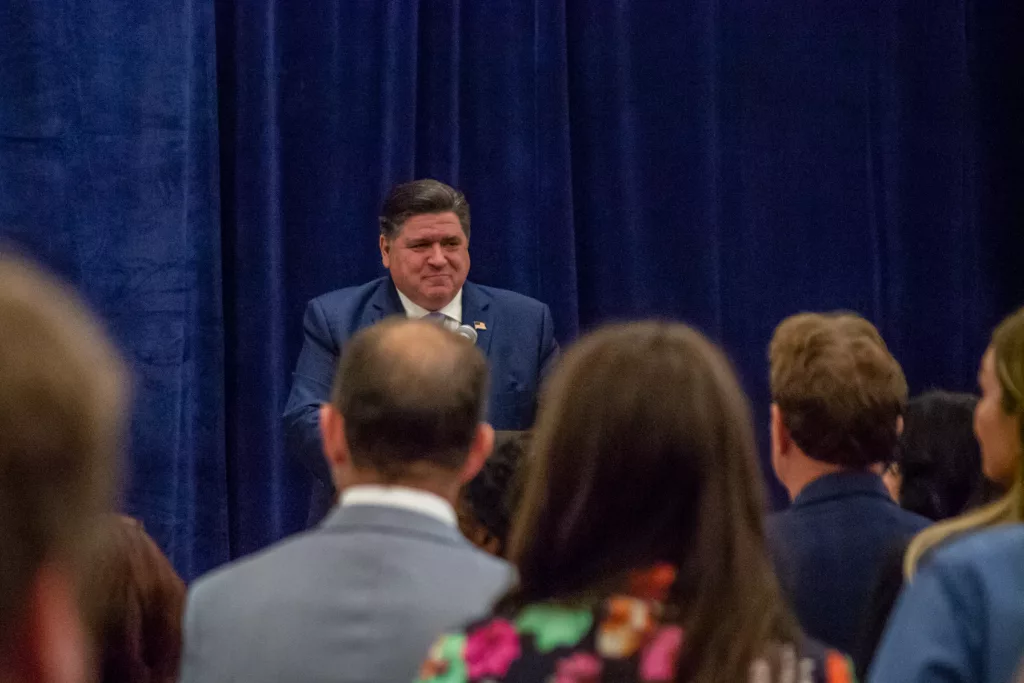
911, 521
993, 548
360, 544
249, 573
507, 298
347, 295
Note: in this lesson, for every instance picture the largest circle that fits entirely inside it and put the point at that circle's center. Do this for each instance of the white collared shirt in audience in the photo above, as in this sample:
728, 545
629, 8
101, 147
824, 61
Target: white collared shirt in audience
414, 500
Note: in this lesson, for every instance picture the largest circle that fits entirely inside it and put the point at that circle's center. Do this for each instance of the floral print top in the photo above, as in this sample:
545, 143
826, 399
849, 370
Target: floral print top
622, 639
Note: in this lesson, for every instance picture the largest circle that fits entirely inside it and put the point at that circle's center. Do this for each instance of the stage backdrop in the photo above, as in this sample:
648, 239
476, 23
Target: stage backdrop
202, 168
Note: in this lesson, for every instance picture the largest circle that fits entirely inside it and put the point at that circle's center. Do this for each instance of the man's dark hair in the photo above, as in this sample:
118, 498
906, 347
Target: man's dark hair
411, 393
421, 197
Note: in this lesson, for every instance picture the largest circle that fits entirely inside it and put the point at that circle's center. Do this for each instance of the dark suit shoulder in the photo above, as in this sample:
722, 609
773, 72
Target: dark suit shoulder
509, 299
911, 520
354, 296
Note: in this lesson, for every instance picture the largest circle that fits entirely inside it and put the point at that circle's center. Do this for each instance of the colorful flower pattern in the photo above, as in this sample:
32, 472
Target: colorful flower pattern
658, 661
621, 639
491, 649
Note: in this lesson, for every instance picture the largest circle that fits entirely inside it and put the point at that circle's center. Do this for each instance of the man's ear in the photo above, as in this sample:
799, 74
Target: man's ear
385, 251
479, 451
899, 426
49, 645
332, 434
782, 442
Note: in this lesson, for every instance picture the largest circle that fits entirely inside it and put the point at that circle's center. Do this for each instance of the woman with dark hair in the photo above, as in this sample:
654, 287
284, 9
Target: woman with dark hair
639, 539
135, 601
937, 474
937, 471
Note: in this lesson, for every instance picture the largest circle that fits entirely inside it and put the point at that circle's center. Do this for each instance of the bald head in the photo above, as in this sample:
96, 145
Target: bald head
410, 392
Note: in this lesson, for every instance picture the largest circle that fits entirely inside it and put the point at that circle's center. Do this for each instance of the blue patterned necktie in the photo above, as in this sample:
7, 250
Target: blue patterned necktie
439, 318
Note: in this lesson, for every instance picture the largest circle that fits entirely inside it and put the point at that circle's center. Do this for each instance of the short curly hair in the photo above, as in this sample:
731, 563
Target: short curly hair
492, 495
840, 391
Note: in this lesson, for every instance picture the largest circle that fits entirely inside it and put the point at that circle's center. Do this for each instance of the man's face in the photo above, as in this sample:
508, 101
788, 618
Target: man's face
428, 259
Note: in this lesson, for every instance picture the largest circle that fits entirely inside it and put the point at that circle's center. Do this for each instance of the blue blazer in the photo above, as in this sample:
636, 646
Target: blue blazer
829, 548
961, 618
515, 332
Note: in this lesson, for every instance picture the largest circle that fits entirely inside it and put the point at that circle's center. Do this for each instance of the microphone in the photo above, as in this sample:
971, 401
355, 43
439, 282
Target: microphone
467, 332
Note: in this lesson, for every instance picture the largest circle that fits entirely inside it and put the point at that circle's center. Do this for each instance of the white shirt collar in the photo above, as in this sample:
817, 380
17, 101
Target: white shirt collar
414, 500
453, 310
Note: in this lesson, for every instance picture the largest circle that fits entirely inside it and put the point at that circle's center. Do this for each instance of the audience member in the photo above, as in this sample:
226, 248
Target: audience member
362, 596
639, 541
937, 474
838, 396
962, 616
135, 601
937, 470
995, 420
62, 394
489, 500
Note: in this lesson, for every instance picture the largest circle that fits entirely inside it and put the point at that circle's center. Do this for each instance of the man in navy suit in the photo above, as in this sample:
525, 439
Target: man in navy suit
838, 397
424, 243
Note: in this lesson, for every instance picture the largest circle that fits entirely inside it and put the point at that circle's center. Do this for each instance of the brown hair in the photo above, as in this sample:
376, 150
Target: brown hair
840, 391
487, 502
410, 392
644, 453
1008, 350
62, 393
135, 601
421, 197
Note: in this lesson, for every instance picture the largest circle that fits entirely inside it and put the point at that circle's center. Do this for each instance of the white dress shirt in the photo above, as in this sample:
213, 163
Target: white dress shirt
403, 497
453, 310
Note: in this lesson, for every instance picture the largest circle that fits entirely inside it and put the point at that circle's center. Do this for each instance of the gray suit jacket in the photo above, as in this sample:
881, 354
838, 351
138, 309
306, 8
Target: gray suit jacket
358, 599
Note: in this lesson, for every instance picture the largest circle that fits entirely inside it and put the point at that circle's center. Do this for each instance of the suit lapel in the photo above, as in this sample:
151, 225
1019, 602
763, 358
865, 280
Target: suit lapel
383, 302
476, 312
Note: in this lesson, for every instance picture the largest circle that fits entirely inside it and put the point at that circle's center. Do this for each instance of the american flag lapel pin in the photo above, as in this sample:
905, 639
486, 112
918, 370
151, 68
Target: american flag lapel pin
479, 325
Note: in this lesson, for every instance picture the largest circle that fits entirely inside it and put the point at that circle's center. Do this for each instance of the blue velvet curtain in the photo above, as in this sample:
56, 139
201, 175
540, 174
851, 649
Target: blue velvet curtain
201, 169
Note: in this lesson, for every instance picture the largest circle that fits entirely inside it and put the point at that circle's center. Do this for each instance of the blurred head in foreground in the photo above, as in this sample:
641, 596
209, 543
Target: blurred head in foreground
134, 601
62, 398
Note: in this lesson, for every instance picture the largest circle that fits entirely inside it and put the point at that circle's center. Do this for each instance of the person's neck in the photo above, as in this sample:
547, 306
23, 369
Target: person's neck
428, 482
429, 306
805, 470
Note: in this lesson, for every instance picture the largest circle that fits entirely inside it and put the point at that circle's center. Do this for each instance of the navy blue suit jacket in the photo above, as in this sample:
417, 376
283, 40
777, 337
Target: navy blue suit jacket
829, 547
515, 332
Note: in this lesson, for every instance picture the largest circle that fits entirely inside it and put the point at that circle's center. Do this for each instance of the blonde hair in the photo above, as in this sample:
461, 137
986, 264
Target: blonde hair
1008, 353
62, 397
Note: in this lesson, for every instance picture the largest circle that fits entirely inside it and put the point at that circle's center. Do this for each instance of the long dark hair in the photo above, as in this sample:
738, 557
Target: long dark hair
939, 459
644, 453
